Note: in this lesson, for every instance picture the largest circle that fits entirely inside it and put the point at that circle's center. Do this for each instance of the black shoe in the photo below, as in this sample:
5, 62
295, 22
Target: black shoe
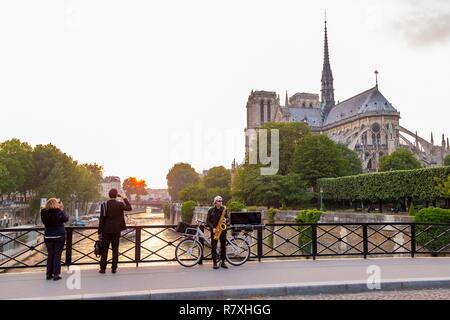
114, 270
215, 266
224, 265
56, 278
102, 271
49, 277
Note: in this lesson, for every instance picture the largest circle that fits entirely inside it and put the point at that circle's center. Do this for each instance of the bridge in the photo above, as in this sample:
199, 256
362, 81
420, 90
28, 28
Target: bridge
285, 259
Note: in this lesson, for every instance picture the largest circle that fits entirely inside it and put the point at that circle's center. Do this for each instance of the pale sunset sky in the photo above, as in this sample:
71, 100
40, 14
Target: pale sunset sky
137, 86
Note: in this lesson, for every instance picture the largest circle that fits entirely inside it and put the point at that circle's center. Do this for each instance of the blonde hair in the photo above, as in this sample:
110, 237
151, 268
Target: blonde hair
52, 203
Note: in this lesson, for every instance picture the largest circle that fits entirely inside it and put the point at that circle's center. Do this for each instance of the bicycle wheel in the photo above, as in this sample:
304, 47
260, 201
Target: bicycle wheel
188, 252
238, 251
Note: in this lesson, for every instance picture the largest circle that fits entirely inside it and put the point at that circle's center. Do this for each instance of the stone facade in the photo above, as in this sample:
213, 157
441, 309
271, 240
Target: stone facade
367, 122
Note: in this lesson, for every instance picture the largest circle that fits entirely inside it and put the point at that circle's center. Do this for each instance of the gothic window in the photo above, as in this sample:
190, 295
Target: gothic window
262, 111
310, 104
303, 104
268, 111
364, 138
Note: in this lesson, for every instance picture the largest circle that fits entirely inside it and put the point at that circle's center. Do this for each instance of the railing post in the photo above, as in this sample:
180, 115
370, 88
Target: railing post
314, 240
69, 240
259, 241
413, 240
137, 246
365, 241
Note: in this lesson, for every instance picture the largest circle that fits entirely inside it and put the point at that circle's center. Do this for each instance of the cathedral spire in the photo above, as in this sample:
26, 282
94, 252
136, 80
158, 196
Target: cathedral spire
286, 102
376, 78
432, 139
327, 77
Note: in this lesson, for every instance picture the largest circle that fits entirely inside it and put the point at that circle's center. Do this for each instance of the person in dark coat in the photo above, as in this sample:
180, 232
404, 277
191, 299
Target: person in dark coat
112, 222
212, 221
53, 218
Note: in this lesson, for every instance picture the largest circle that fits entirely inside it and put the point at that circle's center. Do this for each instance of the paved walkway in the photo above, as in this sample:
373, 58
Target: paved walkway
275, 278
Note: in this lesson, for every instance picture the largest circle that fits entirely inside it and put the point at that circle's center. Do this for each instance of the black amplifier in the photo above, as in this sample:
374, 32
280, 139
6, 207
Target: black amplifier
242, 217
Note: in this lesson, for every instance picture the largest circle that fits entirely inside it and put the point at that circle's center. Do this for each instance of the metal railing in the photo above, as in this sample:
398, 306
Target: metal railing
25, 247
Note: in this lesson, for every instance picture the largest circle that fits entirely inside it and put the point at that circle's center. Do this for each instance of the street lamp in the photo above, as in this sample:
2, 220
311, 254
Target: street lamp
321, 200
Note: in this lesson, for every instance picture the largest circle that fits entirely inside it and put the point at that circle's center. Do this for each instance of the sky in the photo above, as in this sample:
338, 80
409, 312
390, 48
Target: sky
137, 86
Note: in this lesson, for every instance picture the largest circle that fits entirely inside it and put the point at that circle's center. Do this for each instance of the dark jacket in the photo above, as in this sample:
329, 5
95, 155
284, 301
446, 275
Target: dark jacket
113, 219
53, 220
213, 217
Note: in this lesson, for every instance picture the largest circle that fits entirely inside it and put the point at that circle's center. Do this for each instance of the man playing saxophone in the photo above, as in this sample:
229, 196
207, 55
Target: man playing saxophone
216, 221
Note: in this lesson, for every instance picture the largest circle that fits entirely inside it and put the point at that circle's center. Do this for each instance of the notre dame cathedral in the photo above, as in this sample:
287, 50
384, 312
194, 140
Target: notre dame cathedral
367, 122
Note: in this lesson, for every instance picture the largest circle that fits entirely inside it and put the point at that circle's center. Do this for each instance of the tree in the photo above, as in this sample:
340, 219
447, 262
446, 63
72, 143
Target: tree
280, 191
6, 181
180, 176
401, 159
217, 177
195, 191
16, 156
447, 160
353, 164
444, 189
134, 186
244, 182
290, 134
317, 156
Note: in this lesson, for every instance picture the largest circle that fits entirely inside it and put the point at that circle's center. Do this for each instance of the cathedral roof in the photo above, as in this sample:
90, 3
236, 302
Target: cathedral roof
310, 115
369, 101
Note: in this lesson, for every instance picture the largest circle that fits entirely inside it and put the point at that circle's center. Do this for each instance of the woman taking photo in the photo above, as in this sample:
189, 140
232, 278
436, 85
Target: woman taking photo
53, 218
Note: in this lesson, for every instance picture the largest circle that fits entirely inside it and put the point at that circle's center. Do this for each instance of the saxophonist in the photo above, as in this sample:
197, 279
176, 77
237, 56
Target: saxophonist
212, 221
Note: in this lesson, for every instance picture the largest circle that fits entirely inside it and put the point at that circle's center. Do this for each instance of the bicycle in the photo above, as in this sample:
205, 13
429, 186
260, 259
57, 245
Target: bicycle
189, 251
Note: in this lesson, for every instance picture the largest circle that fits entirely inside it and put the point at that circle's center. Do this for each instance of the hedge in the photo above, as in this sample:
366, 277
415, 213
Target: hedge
187, 211
419, 184
305, 232
433, 238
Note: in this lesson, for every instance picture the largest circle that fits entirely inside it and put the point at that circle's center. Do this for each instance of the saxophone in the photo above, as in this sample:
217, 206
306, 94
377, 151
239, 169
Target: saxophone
221, 225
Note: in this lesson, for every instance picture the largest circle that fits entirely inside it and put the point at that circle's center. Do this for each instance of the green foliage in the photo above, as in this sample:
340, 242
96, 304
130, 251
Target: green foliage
444, 188
250, 187
419, 184
225, 193
401, 159
352, 165
290, 134
194, 191
252, 208
305, 232
180, 176
217, 177
308, 216
235, 206
412, 210
435, 237
271, 214
447, 160
244, 182
317, 156
187, 211
166, 210
17, 158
